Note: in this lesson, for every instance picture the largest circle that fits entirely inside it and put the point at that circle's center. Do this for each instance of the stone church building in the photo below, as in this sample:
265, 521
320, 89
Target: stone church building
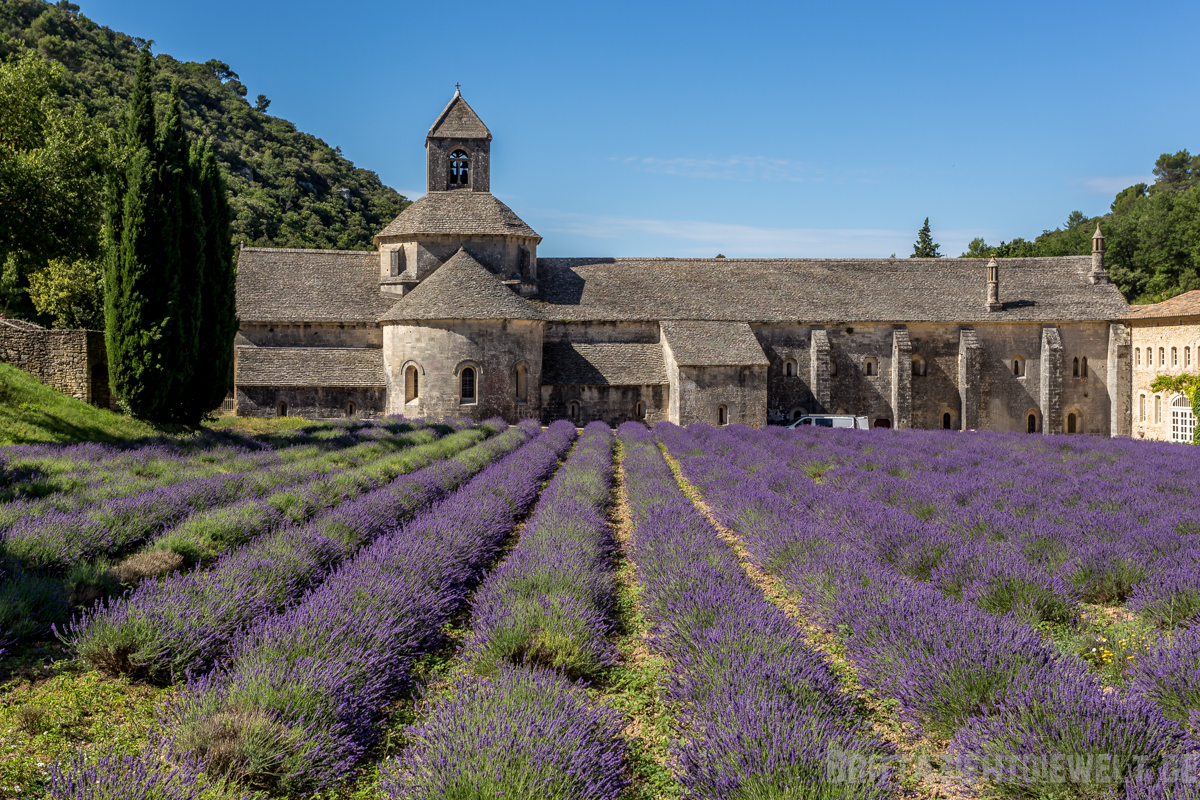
455, 315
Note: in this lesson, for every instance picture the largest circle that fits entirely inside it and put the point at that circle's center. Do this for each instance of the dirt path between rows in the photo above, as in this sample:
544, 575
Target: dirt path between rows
881, 714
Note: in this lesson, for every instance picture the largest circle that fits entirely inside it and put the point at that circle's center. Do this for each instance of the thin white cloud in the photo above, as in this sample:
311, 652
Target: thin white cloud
1112, 184
733, 168
658, 237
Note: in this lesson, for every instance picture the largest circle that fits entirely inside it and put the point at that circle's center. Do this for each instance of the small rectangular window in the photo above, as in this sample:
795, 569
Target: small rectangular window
1157, 409
1142, 408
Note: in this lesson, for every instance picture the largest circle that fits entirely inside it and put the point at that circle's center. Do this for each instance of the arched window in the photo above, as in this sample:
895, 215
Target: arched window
1183, 421
639, 410
468, 385
918, 366
412, 389
1174, 356
1075, 368
1157, 409
722, 415
350, 409
798, 412
832, 366
1083, 367
1072, 423
870, 367
946, 420
1137, 355
789, 368
1142, 408
1031, 423
573, 410
1018, 366
281, 409
522, 383
460, 169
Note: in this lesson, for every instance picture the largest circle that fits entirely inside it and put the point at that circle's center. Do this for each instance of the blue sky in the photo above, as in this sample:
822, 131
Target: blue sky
750, 129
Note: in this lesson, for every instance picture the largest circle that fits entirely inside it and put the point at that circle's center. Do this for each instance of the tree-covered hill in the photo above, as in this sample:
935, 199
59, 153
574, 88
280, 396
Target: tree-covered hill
1152, 234
287, 188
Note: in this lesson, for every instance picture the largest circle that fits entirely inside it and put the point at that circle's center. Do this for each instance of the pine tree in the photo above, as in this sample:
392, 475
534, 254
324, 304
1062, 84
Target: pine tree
213, 376
925, 246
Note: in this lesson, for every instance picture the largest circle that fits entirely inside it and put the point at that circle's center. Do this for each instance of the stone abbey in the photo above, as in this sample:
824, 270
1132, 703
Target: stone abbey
455, 315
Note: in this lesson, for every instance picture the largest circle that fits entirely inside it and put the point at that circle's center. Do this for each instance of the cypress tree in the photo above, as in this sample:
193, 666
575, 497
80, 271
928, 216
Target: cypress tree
134, 298
925, 246
213, 374
153, 260
181, 260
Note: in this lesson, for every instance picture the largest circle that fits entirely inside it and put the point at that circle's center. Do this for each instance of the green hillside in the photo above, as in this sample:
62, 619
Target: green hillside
30, 411
1152, 234
288, 188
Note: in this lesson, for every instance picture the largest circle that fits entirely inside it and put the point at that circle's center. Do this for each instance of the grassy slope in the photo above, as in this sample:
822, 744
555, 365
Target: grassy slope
30, 411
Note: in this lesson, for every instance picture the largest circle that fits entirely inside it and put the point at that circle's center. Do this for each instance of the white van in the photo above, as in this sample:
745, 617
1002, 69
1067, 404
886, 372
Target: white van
832, 421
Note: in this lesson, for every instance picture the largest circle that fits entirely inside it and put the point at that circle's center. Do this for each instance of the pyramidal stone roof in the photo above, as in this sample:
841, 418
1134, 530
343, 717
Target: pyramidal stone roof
462, 288
822, 290
459, 213
458, 121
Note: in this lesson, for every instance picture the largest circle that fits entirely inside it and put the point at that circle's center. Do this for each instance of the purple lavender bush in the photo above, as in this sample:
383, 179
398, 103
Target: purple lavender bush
297, 702
157, 773
549, 602
763, 715
187, 621
525, 732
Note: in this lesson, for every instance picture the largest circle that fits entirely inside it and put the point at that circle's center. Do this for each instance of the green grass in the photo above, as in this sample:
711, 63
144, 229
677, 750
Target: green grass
32, 412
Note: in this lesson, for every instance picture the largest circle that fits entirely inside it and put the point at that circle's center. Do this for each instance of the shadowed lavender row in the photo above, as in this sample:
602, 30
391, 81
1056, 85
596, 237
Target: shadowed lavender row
298, 701
763, 715
60, 539
518, 727
32, 602
187, 621
987, 681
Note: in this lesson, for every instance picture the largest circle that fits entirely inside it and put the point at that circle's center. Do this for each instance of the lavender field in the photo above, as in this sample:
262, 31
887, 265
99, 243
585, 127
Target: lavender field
409, 609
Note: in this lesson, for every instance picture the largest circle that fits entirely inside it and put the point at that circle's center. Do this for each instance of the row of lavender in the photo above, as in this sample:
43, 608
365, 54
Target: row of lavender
194, 521
988, 683
297, 700
1083, 520
68, 477
186, 622
516, 725
763, 715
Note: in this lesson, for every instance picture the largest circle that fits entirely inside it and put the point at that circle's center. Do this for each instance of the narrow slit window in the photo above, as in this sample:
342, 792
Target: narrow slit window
946, 420
722, 415
468, 384
1072, 423
1075, 368
1083, 367
1031, 424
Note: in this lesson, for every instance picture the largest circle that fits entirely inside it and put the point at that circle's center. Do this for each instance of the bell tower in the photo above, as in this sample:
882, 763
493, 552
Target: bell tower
458, 150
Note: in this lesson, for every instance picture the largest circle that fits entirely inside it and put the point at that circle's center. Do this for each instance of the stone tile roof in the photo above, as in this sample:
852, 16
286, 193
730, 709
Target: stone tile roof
1185, 305
284, 285
459, 212
712, 344
602, 364
462, 288
822, 290
21, 325
458, 121
310, 366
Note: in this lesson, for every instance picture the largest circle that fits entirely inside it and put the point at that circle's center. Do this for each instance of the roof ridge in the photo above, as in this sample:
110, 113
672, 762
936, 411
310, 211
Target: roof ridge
795, 259
306, 250
461, 288
474, 117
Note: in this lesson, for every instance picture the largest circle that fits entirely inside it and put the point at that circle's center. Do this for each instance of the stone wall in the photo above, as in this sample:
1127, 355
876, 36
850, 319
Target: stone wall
440, 350
73, 362
310, 334
610, 404
1152, 334
310, 402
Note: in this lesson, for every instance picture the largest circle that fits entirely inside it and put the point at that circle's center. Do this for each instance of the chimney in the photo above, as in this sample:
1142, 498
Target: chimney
993, 286
1098, 274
